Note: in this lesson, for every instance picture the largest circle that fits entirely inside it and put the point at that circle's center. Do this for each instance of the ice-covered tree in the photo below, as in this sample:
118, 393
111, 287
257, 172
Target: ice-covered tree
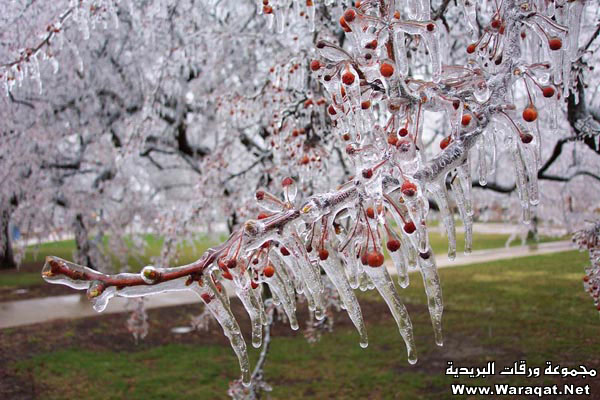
324, 131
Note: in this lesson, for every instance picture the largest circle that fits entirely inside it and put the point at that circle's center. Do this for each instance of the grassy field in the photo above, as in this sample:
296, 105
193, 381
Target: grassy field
35, 255
64, 249
531, 309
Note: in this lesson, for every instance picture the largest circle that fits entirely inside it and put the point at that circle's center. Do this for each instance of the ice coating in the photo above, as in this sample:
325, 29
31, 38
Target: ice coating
219, 308
440, 194
279, 288
254, 308
433, 289
385, 286
335, 271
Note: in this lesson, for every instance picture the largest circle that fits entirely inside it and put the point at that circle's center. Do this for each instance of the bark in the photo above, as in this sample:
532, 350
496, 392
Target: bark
82, 243
7, 258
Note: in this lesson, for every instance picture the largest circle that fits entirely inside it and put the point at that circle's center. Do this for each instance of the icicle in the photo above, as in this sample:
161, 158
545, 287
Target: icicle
469, 8
464, 177
521, 181
529, 156
214, 300
441, 197
290, 190
278, 287
353, 268
387, 290
254, 310
398, 257
575, 12
400, 53
311, 16
433, 289
459, 197
310, 273
334, 270
285, 274
482, 172
365, 282
431, 41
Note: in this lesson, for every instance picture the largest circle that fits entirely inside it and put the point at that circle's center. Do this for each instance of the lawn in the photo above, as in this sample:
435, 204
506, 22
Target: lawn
64, 249
35, 256
531, 309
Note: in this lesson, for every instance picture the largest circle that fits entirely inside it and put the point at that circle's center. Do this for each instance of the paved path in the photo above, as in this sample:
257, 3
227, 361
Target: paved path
32, 311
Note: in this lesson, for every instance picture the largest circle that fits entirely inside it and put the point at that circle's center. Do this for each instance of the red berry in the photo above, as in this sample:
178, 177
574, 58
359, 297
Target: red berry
586, 278
253, 284
408, 188
349, 15
496, 23
231, 263
363, 258
323, 254
268, 10
370, 212
386, 69
466, 119
403, 132
430, 27
269, 271
305, 160
367, 173
284, 251
526, 137
331, 110
375, 259
344, 25
392, 139
287, 181
315, 65
555, 43
548, 91
393, 245
260, 195
371, 45
365, 104
471, 48
206, 297
348, 78
346, 136
445, 142
530, 113
409, 227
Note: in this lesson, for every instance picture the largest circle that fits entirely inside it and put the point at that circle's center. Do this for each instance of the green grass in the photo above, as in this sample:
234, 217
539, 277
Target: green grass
529, 308
188, 253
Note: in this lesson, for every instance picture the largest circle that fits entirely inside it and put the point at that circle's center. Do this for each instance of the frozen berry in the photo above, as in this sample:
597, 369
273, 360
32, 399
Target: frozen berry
375, 259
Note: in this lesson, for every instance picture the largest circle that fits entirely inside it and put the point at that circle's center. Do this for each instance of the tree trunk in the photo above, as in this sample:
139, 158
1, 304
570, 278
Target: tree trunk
7, 258
82, 243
